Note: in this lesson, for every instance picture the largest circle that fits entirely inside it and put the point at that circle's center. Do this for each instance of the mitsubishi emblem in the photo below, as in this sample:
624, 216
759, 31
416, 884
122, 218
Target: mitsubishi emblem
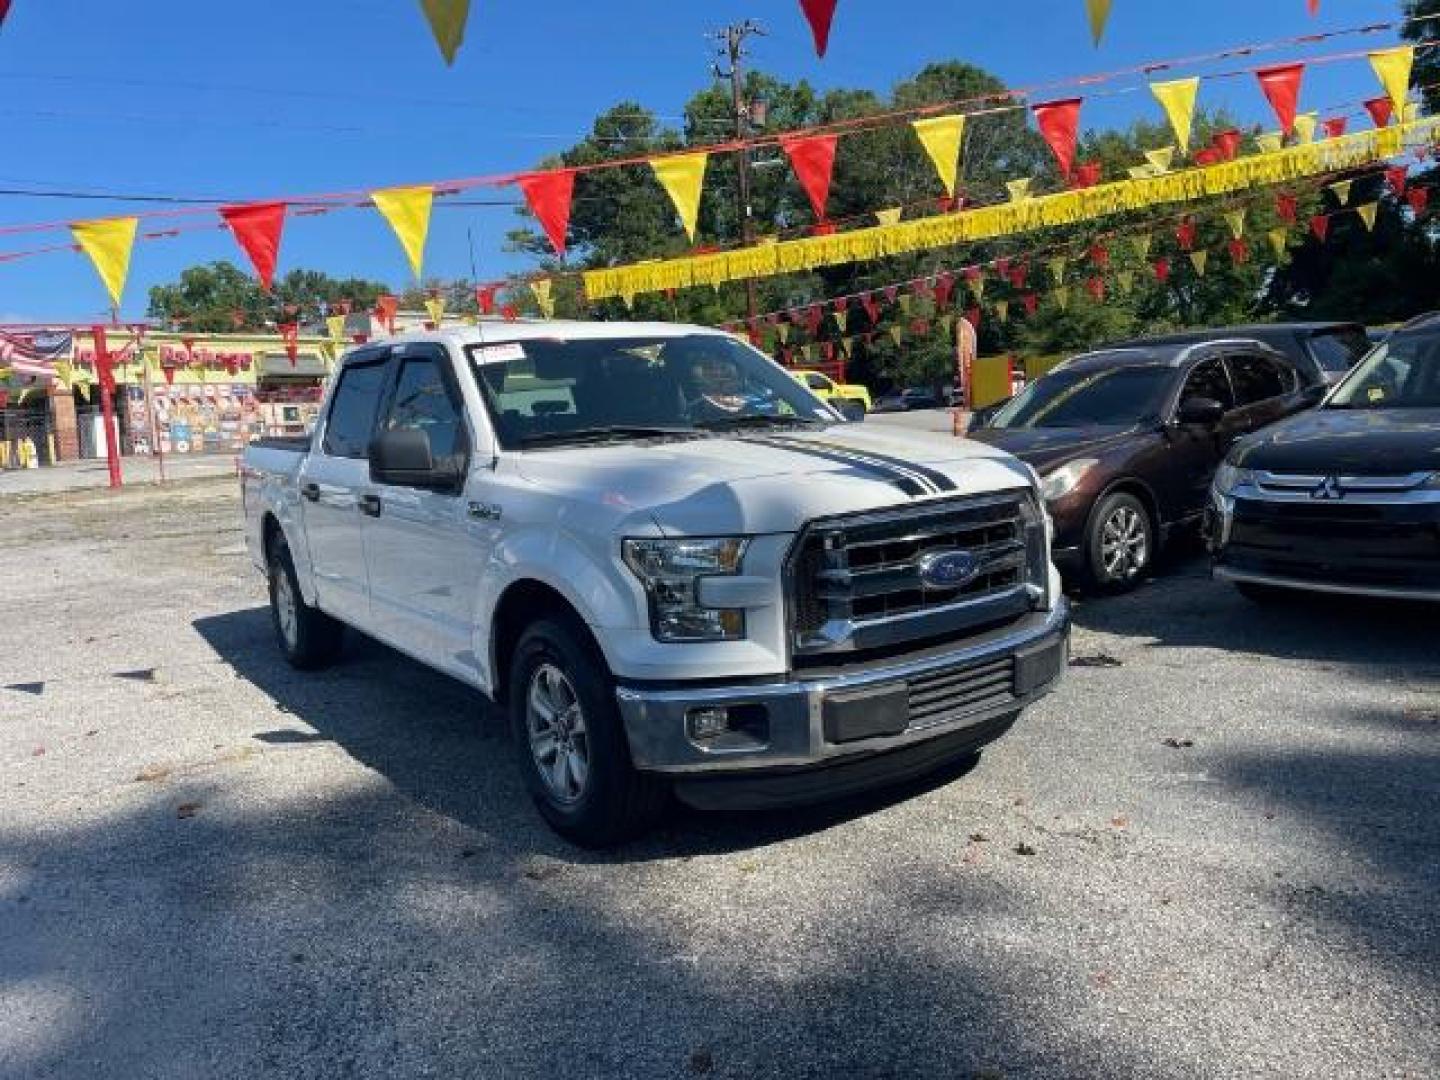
1329, 488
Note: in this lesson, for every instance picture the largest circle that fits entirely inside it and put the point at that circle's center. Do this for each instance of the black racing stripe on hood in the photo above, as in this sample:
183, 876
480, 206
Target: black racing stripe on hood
904, 480
936, 479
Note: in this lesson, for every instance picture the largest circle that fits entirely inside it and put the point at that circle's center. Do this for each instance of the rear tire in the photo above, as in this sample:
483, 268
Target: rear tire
308, 638
570, 741
1119, 543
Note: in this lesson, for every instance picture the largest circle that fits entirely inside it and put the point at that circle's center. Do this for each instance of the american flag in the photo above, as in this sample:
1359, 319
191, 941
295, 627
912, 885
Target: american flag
33, 355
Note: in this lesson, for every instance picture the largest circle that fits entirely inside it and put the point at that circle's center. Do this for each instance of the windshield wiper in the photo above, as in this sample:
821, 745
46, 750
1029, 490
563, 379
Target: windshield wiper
731, 423
608, 433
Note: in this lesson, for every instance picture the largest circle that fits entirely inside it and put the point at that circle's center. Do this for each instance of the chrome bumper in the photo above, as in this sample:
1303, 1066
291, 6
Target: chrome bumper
796, 722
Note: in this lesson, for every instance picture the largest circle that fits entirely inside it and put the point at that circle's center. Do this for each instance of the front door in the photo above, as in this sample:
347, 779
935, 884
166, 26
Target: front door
1196, 451
426, 549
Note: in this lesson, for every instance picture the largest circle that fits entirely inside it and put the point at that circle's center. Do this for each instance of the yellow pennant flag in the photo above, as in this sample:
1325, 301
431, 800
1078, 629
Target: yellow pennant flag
896, 333
1062, 297
847, 346
1236, 220
1341, 188
1410, 113
1199, 259
83, 389
889, 217
335, 327
1178, 100
543, 297
948, 319
976, 285
1125, 279
407, 209
1270, 142
64, 373
1367, 215
1141, 243
1393, 68
683, 177
1019, 189
1002, 310
1057, 269
1099, 12
1279, 241
941, 136
904, 301
435, 308
1161, 160
1141, 172
1305, 125
783, 330
842, 320
108, 243
447, 22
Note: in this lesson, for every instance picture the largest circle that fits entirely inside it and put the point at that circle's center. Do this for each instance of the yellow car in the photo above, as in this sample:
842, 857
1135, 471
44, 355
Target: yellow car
822, 386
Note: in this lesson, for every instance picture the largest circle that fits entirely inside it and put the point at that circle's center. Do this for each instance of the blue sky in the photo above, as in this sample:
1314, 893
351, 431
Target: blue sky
262, 99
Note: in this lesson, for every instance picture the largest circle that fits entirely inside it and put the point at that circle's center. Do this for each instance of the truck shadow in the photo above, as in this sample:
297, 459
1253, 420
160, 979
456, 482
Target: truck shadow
445, 746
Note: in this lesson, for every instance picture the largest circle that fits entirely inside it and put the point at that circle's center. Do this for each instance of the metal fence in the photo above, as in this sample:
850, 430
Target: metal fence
25, 439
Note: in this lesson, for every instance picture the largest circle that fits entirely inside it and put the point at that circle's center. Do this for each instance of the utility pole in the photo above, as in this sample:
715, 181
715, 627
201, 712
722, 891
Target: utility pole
732, 47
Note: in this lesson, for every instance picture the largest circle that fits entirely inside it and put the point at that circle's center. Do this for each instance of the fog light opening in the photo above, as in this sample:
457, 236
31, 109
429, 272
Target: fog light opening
707, 724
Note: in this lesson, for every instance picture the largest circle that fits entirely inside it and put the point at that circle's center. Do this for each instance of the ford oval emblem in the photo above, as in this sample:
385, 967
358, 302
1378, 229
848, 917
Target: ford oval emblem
948, 569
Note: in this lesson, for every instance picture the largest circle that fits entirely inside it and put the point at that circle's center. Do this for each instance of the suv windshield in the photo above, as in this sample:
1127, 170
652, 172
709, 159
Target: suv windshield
1109, 397
551, 391
1402, 372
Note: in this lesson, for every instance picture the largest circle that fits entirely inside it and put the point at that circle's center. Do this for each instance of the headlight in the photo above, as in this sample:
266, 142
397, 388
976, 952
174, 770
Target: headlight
1063, 480
1228, 477
671, 570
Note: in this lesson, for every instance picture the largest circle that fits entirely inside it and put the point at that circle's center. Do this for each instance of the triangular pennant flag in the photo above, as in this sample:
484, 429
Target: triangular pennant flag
1199, 260
447, 22
1334, 127
1162, 270
1031, 302
1095, 286
290, 332
1270, 142
1305, 125
541, 290
1287, 208
257, 228
1018, 273
64, 373
1228, 143
813, 159
819, 14
1281, 86
905, 300
1393, 67
108, 243
683, 176
944, 285
1062, 297
976, 285
335, 327
1002, 310
1099, 255
1086, 175
1320, 226
1239, 251
842, 319
1059, 123
435, 308
782, 331
1279, 241
4, 10
485, 298
1381, 109
1141, 172
1125, 280
1418, 198
1019, 189
1099, 13
1396, 176
407, 209
1057, 269
1367, 214
1341, 190
942, 136
1161, 160
1185, 234
896, 333
889, 216
1178, 100
1141, 243
1236, 220
549, 196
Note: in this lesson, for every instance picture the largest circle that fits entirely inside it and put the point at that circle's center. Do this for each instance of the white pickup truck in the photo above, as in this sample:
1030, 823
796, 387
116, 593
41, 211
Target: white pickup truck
675, 568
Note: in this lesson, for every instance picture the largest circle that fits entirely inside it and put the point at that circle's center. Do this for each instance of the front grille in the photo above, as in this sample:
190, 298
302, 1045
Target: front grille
949, 695
855, 582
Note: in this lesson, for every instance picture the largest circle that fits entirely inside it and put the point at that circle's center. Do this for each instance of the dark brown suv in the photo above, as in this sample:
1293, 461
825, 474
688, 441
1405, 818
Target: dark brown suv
1126, 442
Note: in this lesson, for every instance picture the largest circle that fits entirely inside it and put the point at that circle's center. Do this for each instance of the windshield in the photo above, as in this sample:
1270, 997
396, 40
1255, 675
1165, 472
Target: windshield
1110, 397
553, 391
1402, 372
1337, 350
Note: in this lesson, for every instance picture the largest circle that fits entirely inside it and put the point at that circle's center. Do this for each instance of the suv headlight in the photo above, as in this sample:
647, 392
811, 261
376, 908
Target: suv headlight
1229, 477
671, 571
1063, 480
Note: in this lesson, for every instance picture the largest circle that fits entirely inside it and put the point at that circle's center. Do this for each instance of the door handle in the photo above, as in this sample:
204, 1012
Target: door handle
370, 505
310, 491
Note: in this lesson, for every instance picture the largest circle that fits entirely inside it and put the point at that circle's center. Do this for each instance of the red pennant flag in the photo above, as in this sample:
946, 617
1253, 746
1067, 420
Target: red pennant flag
1314, 7
1162, 270
1096, 286
1395, 176
1418, 198
291, 333
4, 10
872, 309
1282, 89
813, 159
386, 308
1287, 207
1087, 175
1210, 155
549, 195
168, 370
1334, 127
823, 228
510, 313
1059, 123
1031, 302
944, 286
1228, 143
485, 298
1239, 252
814, 316
1002, 267
1100, 256
1320, 226
1185, 234
1380, 110
1018, 273
819, 13
257, 228
972, 316
891, 292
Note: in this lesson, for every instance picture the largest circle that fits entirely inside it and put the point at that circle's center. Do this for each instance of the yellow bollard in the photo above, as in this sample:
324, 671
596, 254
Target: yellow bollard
50, 441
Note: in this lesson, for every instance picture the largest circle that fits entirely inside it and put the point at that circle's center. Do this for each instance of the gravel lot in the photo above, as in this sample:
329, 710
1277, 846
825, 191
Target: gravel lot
1214, 853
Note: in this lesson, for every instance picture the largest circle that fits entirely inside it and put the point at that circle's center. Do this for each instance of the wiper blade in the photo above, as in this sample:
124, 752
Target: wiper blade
606, 434
730, 423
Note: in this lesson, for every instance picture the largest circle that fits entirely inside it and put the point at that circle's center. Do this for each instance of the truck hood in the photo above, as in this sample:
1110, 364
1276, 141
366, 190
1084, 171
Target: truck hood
1356, 441
772, 482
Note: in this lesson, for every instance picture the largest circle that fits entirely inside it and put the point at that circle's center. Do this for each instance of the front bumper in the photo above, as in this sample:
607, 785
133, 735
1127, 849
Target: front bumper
976, 685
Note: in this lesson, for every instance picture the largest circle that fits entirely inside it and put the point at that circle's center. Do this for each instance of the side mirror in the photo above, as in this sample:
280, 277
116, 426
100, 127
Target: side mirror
853, 412
403, 457
1204, 411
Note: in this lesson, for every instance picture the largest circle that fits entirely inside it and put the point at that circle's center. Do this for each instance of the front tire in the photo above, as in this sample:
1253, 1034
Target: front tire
570, 740
308, 638
1120, 543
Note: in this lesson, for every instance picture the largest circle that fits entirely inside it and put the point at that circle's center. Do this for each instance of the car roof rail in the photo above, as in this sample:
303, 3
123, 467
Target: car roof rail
1427, 320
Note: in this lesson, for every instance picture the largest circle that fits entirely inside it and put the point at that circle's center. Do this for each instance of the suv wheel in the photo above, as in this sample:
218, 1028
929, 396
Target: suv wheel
308, 637
570, 740
1120, 545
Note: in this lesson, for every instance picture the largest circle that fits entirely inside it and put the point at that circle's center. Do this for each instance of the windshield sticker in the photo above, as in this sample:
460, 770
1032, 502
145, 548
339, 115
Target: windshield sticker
1377, 393
499, 354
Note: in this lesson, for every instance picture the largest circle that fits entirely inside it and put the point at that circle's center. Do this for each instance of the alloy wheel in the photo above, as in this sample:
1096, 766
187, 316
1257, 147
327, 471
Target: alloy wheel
559, 741
1124, 544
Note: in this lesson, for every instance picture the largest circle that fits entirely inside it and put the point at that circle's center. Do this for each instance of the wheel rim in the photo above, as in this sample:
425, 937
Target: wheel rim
1124, 544
286, 614
559, 741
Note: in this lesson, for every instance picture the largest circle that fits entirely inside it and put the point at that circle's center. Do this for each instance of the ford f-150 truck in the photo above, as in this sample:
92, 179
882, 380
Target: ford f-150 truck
675, 567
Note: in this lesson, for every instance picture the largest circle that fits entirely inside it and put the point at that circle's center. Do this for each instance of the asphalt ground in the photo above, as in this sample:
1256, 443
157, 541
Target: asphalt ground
1214, 852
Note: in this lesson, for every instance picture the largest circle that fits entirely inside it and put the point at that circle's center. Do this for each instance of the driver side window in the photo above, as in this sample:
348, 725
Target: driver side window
1209, 380
423, 401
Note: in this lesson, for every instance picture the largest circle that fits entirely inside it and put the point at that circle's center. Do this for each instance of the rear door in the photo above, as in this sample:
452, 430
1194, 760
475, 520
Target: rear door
334, 480
1266, 390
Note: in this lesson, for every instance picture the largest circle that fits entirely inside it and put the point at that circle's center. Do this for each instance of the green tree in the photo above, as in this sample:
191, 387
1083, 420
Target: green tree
221, 298
1427, 61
